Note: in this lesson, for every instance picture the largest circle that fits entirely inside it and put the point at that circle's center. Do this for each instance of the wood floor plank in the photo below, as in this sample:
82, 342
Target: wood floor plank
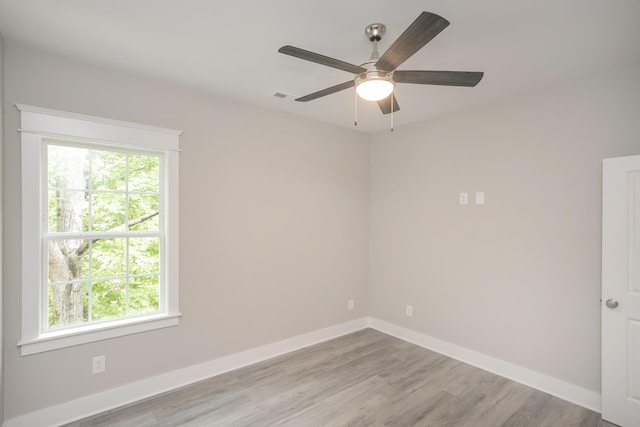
365, 378
499, 404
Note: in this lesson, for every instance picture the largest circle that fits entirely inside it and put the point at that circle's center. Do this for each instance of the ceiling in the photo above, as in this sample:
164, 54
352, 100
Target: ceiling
230, 48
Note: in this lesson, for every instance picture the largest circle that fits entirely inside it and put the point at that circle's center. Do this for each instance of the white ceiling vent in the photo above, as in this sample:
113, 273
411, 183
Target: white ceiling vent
282, 95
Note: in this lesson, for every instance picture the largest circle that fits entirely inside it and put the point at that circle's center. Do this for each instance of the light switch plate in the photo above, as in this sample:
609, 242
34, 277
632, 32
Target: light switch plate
409, 310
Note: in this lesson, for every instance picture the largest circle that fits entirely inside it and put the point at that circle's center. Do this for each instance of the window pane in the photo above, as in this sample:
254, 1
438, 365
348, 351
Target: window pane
108, 258
67, 211
108, 299
108, 211
144, 294
67, 304
67, 260
67, 167
108, 170
144, 212
144, 255
144, 173
67, 197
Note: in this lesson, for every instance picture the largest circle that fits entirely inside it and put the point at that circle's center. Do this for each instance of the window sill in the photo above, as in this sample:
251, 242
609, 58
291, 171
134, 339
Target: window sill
69, 337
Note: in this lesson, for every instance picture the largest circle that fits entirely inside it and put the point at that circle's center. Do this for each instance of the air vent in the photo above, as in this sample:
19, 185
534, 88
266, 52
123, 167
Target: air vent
281, 95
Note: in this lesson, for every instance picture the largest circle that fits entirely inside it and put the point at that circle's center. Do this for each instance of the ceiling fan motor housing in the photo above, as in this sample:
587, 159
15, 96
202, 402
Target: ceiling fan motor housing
374, 74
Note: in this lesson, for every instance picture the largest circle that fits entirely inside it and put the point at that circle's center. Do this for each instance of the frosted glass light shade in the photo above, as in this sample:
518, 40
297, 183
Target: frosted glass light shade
374, 89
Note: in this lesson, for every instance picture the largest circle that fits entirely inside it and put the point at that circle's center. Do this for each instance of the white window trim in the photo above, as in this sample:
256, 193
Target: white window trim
39, 123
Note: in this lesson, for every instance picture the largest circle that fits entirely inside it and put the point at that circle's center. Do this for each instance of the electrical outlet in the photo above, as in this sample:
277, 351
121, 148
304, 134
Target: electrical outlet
350, 304
410, 310
99, 364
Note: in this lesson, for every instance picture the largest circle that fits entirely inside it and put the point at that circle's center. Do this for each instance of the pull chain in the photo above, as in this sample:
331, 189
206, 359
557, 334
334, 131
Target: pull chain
392, 99
355, 108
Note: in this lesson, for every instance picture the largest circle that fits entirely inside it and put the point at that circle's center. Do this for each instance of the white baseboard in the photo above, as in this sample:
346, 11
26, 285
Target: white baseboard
129, 393
570, 392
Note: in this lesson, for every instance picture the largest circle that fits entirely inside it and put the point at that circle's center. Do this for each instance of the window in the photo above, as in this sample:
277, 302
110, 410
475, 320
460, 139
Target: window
99, 230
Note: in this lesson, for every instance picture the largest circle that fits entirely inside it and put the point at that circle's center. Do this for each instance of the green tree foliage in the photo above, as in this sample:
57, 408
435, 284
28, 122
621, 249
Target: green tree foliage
110, 193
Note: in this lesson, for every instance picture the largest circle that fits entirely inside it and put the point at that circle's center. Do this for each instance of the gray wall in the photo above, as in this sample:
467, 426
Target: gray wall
273, 227
517, 278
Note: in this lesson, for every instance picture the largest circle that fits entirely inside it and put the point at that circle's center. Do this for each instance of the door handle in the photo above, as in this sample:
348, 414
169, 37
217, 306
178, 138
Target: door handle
612, 303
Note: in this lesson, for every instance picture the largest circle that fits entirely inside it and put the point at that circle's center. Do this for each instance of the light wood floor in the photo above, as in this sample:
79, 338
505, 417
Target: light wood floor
365, 378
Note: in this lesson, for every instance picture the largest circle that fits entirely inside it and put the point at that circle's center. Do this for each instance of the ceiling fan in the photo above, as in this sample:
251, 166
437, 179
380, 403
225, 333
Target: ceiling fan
375, 79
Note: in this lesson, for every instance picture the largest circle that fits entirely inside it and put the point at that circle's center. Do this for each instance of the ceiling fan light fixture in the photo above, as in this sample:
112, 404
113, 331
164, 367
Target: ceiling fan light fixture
374, 85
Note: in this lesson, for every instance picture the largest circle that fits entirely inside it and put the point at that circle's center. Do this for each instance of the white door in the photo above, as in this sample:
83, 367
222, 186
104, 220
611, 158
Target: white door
621, 291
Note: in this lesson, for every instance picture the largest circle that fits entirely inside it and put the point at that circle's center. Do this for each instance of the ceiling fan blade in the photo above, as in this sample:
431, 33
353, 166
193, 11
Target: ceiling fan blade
385, 105
419, 33
444, 78
327, 91
321, 59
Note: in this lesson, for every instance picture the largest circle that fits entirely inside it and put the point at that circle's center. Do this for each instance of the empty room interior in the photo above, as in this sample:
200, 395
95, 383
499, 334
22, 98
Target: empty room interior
240, 228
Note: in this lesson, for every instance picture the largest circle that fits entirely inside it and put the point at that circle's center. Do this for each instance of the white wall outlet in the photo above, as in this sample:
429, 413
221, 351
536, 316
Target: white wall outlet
99, 364
464, 198
350, 304
480, 198
409, 310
